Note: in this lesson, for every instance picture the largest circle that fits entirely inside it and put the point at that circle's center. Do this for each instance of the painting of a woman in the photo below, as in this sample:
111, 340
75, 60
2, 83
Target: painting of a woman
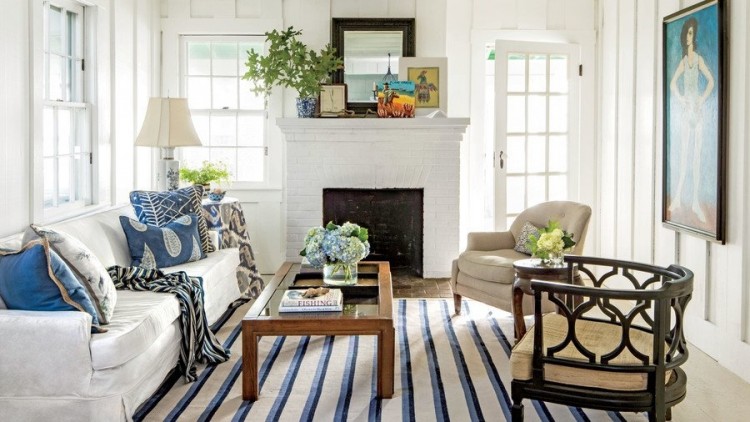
691, 97
693, 166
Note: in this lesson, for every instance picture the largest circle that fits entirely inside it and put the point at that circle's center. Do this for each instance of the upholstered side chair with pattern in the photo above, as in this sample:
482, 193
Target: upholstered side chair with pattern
484, 271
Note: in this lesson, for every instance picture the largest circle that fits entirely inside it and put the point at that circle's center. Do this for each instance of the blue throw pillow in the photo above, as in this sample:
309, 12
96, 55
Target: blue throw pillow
160, 208
35, 278
154, 247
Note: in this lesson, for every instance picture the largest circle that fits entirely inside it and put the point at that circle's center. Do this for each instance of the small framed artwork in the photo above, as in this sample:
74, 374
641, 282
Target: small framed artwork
694, 158
332, 100
430, 77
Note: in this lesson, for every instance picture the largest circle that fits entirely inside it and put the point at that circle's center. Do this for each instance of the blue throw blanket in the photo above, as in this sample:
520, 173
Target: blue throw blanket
198, 342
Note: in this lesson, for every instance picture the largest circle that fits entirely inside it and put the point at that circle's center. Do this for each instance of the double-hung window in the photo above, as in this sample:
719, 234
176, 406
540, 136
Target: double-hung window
66, 149
229, 118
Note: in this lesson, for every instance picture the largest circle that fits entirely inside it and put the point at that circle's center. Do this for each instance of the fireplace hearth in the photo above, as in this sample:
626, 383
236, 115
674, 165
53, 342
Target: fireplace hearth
393, 217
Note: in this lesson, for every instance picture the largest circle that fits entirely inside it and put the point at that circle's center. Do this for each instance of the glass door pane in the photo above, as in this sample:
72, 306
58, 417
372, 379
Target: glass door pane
535, 124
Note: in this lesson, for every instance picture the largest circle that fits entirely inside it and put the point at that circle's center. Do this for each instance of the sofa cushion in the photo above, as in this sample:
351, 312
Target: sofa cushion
215, 269
85, 266
160, 208
527, 231
35, 278
154, 247
600, 338
102, 234
495, 266
139, 319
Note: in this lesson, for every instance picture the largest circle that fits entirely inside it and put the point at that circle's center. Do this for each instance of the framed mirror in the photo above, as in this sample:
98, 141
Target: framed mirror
365, 45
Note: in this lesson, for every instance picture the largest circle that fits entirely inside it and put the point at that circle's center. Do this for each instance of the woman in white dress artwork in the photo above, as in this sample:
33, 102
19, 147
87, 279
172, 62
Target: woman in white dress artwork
690, 67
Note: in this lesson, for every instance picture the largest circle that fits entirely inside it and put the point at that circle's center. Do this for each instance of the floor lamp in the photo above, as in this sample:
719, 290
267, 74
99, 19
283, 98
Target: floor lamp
167, 125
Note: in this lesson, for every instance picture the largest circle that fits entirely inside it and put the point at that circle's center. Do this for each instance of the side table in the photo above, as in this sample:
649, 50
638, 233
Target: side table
528, 269
226, 218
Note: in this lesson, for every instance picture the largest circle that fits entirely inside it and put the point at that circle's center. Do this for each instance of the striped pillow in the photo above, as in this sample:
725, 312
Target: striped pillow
161, 208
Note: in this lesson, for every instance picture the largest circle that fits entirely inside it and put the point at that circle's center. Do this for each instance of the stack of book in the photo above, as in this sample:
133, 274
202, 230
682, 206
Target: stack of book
294, 301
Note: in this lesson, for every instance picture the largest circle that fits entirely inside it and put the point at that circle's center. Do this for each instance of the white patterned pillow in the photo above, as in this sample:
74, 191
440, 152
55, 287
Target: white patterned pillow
523, 238
85, 265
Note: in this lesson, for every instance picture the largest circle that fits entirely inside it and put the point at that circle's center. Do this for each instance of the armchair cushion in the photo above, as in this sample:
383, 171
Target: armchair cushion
600, 338
495, 266
523, 238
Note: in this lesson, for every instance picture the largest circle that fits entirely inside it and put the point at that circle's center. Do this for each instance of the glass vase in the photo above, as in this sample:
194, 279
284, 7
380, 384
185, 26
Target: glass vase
340, 274
553, 259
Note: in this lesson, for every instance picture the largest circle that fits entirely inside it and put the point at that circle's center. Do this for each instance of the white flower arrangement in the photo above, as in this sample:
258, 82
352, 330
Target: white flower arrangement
336, 245
552, 241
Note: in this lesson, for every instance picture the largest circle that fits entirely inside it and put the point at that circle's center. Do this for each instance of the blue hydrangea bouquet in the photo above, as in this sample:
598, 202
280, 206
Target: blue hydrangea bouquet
337, 249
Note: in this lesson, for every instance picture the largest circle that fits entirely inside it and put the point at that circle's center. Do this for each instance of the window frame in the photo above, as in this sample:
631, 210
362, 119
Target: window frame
183, 41
78, 100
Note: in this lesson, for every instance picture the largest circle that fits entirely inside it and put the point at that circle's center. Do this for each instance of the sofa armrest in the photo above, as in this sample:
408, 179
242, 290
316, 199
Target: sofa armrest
44, 353
490, 241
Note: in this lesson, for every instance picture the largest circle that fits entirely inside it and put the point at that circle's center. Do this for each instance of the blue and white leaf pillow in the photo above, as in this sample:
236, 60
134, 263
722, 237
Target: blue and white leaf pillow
86, 267
160, 208
154, 247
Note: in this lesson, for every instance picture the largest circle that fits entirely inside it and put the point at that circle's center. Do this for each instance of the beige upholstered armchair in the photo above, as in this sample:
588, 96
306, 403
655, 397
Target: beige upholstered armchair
484, 271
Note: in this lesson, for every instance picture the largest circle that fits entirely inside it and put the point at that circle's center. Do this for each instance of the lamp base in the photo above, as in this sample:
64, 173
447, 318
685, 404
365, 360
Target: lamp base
168, 176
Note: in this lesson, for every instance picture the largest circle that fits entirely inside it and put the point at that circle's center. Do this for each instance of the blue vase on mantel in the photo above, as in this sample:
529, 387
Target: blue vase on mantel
306, 107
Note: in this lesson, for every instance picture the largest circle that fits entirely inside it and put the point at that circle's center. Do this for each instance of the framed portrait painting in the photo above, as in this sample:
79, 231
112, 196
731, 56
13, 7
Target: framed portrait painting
430, 78
694, 170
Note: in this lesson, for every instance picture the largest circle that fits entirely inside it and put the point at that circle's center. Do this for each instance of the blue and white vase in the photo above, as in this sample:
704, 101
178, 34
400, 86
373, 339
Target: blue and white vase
306, 107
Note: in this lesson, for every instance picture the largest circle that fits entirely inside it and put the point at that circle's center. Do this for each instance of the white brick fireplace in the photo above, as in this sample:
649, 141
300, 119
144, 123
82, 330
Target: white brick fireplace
376, 154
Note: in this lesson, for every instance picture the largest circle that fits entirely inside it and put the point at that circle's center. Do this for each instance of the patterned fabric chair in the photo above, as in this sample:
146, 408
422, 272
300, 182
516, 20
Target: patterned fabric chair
484, 271
620, 348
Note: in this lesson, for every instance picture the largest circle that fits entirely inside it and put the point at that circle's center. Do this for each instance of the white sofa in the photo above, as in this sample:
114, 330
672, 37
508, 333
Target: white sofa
53, 368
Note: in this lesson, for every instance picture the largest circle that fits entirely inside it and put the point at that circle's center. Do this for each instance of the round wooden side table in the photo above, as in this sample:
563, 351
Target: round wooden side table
528, 269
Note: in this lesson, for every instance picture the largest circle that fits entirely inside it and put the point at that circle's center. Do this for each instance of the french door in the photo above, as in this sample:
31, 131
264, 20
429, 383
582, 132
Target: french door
537, 103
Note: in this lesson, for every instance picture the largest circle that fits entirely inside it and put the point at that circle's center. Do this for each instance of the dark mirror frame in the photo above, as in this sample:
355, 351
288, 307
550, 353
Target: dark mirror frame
340, 25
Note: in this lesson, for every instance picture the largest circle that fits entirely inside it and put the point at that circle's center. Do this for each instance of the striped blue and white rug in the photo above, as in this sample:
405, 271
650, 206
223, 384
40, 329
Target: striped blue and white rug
447, 368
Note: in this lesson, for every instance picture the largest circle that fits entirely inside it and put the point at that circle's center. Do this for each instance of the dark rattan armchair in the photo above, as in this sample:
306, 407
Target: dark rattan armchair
621, 346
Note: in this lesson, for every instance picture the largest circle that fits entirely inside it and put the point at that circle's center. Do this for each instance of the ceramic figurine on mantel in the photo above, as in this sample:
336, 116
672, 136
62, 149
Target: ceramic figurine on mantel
290, 63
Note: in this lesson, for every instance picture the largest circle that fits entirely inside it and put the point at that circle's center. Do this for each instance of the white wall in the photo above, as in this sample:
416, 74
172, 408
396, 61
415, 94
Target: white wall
630, 172
129, 36
15, 174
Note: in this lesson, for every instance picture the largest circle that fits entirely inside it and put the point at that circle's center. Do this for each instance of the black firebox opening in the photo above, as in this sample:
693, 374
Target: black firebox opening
394, 218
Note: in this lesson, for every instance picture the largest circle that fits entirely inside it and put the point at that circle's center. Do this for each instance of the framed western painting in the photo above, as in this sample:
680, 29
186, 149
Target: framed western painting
332, 100
694, 170
430, 77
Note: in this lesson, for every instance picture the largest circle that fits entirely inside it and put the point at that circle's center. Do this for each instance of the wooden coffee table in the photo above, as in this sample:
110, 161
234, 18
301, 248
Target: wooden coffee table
370, 312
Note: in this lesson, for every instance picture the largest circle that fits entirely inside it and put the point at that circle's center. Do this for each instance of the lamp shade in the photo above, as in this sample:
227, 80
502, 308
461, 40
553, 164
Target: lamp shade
167, 124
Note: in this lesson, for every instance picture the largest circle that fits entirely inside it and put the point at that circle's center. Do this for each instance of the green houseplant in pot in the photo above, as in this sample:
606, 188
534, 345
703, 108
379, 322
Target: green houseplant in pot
205, 174
290, 63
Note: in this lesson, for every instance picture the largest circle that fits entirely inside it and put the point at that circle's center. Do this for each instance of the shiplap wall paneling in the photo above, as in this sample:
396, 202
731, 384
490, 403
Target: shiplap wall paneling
646, 48
123, 109
145, 68
627, 31
15, 167
608, 59
495, 14
430, 24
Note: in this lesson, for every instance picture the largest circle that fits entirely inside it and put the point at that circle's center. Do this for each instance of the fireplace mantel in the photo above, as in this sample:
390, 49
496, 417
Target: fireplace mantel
364, 153
449, 124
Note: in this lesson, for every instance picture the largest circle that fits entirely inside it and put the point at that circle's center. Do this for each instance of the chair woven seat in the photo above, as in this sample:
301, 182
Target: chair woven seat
599, 337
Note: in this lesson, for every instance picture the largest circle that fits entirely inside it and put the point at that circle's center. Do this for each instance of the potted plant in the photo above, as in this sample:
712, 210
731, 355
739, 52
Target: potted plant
290, 63
205, 174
